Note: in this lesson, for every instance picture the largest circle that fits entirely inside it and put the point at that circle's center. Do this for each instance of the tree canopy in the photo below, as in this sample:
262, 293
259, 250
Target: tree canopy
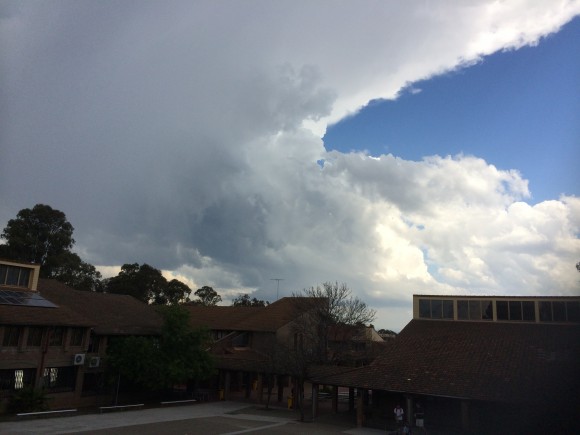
147, 284
336, 305
207, 296
43, 235
244, 300
40, 235
178, 355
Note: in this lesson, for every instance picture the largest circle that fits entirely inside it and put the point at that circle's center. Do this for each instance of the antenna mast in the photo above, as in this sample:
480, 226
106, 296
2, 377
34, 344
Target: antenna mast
277, 285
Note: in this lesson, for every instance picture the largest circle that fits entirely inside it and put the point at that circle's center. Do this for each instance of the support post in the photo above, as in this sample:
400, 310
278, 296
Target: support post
335, 399
465, 415
314, 401
350, 399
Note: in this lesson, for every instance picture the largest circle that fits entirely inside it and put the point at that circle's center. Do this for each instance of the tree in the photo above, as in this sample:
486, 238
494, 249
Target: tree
387, 332
148, 285
207, 296
176, 292
321, 308
178, 355
340, 307
243, 300
77, 274
142, 282
39, 235
42, 235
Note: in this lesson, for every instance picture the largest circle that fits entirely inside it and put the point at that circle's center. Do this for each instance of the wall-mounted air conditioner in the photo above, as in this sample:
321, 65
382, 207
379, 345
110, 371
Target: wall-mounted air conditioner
94, 362
79, 359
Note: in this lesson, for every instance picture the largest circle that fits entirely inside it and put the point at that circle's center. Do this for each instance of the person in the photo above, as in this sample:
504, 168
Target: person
399, 414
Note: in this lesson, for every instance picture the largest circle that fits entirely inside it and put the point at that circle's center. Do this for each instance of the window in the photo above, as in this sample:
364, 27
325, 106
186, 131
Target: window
516, 310
34, 336
59, 379
14, 276
94, 342
56, 336
528, 311
559, 311
76, 336
502, 310
16, 379
11, 336
573, 311
436, 309
424, 308
474, 310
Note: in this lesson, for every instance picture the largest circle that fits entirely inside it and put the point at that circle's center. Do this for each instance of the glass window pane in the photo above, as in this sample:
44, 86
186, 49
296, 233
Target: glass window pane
502, 310
559, 311
76, 336
462, 313
545, 311
436, 308
486, 310
474, 310
12, 277
3, 272
515, 310
56, 336
11, 336
24, 277
34, 336
529, 311
448, 309
573, 309
424, 308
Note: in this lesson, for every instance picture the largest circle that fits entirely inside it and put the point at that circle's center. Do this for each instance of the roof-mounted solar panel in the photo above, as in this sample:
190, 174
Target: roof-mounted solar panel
27, 299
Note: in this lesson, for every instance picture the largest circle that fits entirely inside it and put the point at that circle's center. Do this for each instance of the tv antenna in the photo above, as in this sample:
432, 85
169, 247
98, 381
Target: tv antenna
277, 285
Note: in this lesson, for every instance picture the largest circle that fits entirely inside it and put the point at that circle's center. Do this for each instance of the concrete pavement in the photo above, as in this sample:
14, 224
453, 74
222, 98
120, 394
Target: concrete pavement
208, 418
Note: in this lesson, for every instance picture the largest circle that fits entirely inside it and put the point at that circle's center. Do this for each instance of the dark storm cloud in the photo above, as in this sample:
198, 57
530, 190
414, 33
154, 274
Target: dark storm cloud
174, 133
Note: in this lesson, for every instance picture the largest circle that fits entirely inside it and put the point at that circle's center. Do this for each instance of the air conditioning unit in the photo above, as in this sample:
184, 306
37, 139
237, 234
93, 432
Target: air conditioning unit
79, 359
94, 362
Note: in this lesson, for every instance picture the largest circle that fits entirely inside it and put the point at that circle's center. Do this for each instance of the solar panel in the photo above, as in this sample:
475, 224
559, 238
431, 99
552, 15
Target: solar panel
27, 299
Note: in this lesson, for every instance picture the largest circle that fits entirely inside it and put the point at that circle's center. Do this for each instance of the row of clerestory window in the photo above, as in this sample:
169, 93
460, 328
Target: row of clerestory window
506, 310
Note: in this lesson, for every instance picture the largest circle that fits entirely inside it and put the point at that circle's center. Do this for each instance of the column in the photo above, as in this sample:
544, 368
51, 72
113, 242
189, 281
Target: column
314, 401
409, 410
335, 399
227, 384
465, 415
350, 399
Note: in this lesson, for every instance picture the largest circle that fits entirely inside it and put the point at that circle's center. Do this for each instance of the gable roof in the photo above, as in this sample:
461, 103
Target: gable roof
108, 314
509, 362
259, 319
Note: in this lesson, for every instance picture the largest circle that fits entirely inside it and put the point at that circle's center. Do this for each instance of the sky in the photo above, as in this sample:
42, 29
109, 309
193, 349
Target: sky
402, 148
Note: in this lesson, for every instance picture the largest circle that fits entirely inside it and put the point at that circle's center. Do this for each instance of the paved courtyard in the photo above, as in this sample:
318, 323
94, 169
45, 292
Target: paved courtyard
203, 418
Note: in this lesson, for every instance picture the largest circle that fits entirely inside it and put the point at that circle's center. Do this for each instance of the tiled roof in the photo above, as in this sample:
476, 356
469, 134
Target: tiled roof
264, 319
220, 318
509, 362
41, 316
109, 314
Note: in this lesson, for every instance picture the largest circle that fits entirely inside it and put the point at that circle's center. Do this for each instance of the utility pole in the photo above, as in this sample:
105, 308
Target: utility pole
277, 285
